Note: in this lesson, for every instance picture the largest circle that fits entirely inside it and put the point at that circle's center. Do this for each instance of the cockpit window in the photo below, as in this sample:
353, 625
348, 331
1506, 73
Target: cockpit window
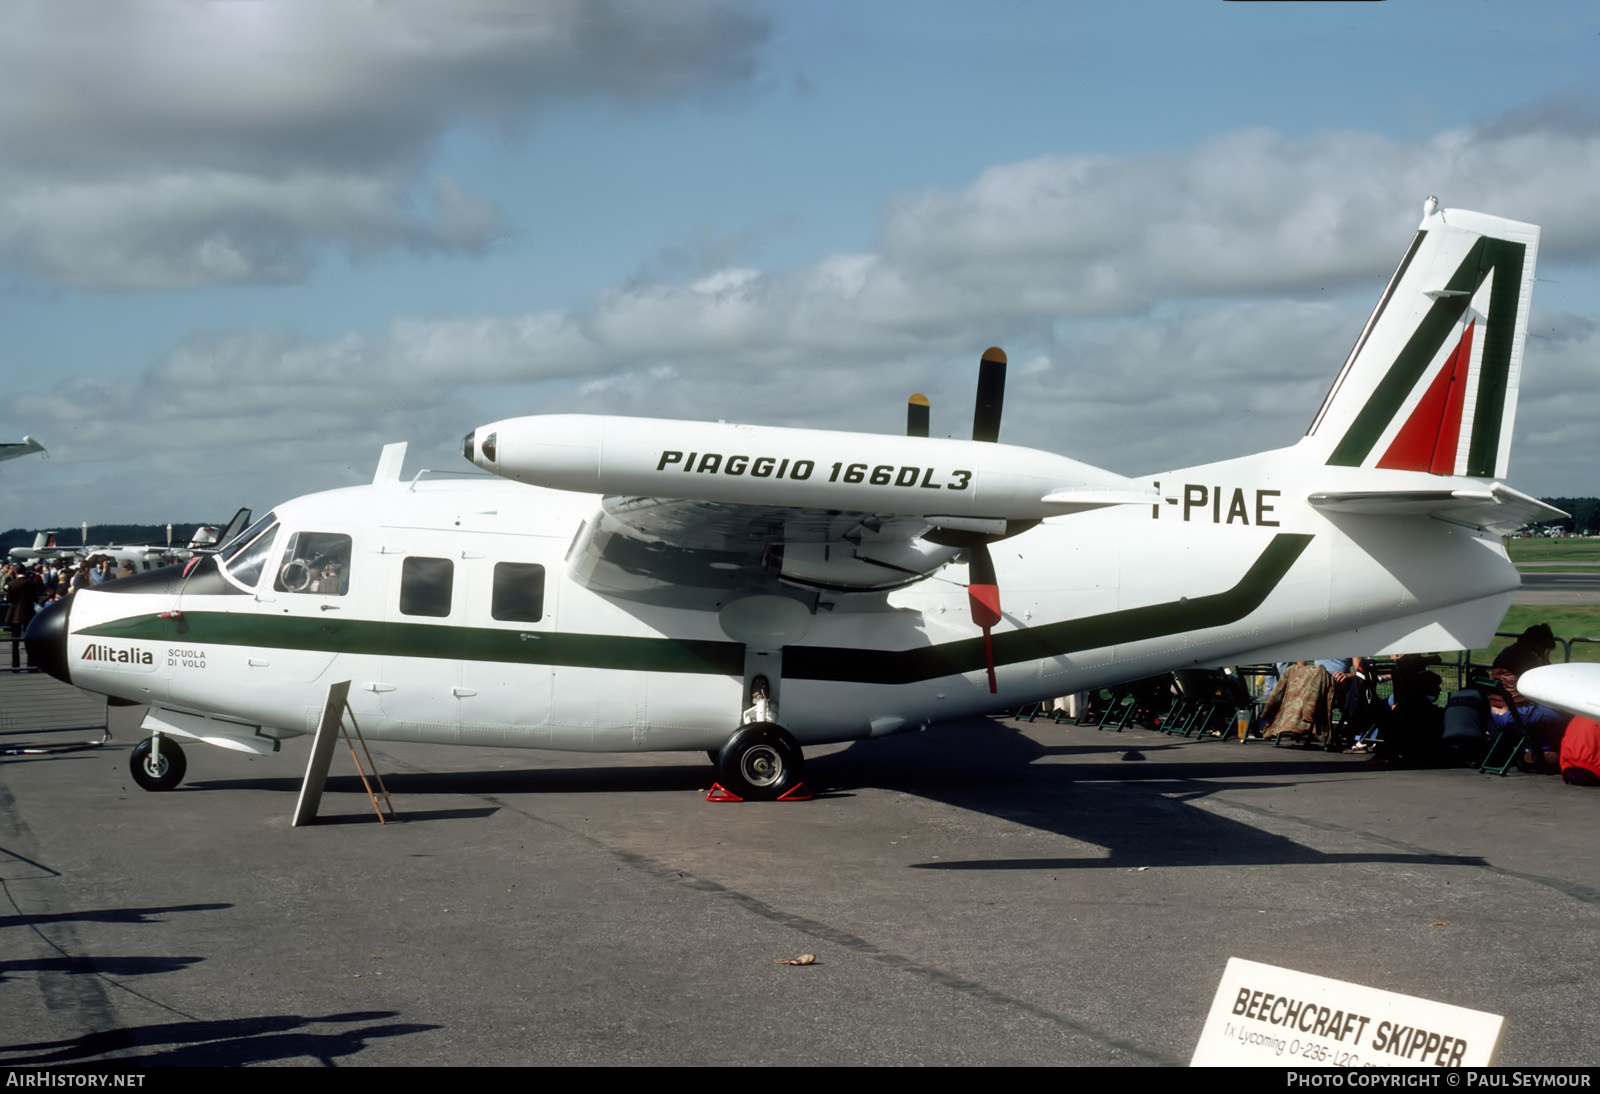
246, 557
245, 538
315, 562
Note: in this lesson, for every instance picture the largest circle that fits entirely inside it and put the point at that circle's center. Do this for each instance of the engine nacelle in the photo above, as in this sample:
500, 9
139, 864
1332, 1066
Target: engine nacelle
800, 468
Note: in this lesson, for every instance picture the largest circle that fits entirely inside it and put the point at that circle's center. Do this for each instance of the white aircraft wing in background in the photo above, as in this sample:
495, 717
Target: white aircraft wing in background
10, 450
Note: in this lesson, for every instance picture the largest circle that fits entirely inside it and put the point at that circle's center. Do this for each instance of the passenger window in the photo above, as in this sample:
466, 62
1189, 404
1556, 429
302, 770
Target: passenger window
518, 592
316, 563
249, 557
425, 586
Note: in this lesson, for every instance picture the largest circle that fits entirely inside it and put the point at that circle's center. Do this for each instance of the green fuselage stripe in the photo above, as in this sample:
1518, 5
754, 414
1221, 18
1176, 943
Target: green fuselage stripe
872, 666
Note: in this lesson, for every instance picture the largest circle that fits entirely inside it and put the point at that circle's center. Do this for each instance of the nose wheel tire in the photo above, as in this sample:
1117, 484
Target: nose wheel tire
155, 769
761, 762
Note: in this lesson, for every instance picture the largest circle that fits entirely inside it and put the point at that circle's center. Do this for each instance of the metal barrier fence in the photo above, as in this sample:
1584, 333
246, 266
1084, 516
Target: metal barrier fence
36, 709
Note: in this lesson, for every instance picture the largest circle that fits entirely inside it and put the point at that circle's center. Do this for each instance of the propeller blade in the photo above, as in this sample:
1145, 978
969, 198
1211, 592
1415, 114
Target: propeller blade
917, 415
983, 598
991, 394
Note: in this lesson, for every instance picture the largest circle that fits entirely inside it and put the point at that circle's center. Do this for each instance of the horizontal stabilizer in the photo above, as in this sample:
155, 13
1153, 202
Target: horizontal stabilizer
1495, 508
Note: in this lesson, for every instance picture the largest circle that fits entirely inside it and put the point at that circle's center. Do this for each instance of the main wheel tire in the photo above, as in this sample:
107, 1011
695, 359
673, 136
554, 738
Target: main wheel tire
155, 770
761, 762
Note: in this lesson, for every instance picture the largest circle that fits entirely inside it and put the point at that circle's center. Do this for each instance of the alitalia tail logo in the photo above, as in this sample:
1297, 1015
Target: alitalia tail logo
1455, 425
101, 652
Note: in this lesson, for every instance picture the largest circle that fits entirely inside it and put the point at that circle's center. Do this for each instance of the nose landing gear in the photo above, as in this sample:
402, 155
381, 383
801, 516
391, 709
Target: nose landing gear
157, 763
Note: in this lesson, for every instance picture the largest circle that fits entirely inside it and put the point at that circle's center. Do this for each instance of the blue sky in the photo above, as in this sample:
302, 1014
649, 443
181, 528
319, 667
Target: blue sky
244, 244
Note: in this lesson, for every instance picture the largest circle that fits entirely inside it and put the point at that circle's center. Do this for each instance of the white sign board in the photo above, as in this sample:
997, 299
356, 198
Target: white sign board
1264, 1016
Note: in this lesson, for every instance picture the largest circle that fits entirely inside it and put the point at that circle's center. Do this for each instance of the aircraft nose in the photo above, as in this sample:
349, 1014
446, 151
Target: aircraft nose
46, 640
467, 446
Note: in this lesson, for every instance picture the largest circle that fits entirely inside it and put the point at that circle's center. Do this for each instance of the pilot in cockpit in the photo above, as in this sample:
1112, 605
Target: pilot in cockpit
329, 580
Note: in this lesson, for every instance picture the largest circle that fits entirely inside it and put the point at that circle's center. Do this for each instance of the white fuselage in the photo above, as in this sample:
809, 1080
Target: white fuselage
1233, 566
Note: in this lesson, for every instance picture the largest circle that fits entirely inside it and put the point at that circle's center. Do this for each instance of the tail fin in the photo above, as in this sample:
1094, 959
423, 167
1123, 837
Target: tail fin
1432, 382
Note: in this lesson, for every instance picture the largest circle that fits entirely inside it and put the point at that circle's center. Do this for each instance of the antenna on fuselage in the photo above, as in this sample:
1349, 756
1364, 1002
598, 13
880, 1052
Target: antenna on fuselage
389, 462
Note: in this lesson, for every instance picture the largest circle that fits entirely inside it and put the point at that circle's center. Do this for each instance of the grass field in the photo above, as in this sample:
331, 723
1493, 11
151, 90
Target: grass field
1584, 554
1582, 621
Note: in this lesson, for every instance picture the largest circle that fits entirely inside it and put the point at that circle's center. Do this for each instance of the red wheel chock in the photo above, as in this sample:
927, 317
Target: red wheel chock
797, 793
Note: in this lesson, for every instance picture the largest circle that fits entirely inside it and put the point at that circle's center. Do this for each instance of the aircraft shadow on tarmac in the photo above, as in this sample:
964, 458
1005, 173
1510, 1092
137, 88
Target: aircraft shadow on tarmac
576, 780
19, 757
107, 915
230, 1042
1135, 809
94, 966
1119, 798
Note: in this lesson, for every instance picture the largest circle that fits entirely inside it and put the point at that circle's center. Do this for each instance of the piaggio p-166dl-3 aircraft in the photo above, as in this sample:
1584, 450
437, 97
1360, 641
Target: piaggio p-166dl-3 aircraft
628, 584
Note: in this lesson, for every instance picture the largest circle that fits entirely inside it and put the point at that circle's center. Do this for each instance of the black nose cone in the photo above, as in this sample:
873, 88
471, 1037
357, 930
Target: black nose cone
46, 640
467, 445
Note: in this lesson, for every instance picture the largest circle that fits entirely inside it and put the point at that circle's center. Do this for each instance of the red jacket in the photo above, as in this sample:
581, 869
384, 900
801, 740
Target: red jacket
1581, 746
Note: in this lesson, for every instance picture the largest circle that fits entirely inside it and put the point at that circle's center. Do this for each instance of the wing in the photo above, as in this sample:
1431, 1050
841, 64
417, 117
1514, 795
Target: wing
1497, 508
12, 449
690, 553
709, 506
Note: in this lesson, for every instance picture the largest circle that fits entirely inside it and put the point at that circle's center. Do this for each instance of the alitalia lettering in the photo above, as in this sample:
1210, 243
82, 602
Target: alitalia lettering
773, 467
1200, 502
99, 651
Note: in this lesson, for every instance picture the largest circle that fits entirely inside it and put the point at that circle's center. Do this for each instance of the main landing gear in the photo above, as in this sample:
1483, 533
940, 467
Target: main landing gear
157, 763
762, 760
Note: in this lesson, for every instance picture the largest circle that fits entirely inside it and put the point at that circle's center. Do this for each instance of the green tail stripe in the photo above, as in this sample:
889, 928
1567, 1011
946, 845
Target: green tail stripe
719, 658
1423, 346
1507, 259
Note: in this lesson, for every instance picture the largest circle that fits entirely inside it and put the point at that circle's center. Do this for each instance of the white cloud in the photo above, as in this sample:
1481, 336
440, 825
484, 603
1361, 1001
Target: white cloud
206, 228
166, 143
1244, 213
1170, 310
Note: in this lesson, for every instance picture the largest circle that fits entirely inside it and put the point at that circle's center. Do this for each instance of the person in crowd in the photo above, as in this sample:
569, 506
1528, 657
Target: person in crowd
1413, 729
22, 597
1543, 726
1301, 706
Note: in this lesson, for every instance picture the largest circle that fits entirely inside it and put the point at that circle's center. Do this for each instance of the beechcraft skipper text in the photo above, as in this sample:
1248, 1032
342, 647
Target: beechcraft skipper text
1347, 1033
